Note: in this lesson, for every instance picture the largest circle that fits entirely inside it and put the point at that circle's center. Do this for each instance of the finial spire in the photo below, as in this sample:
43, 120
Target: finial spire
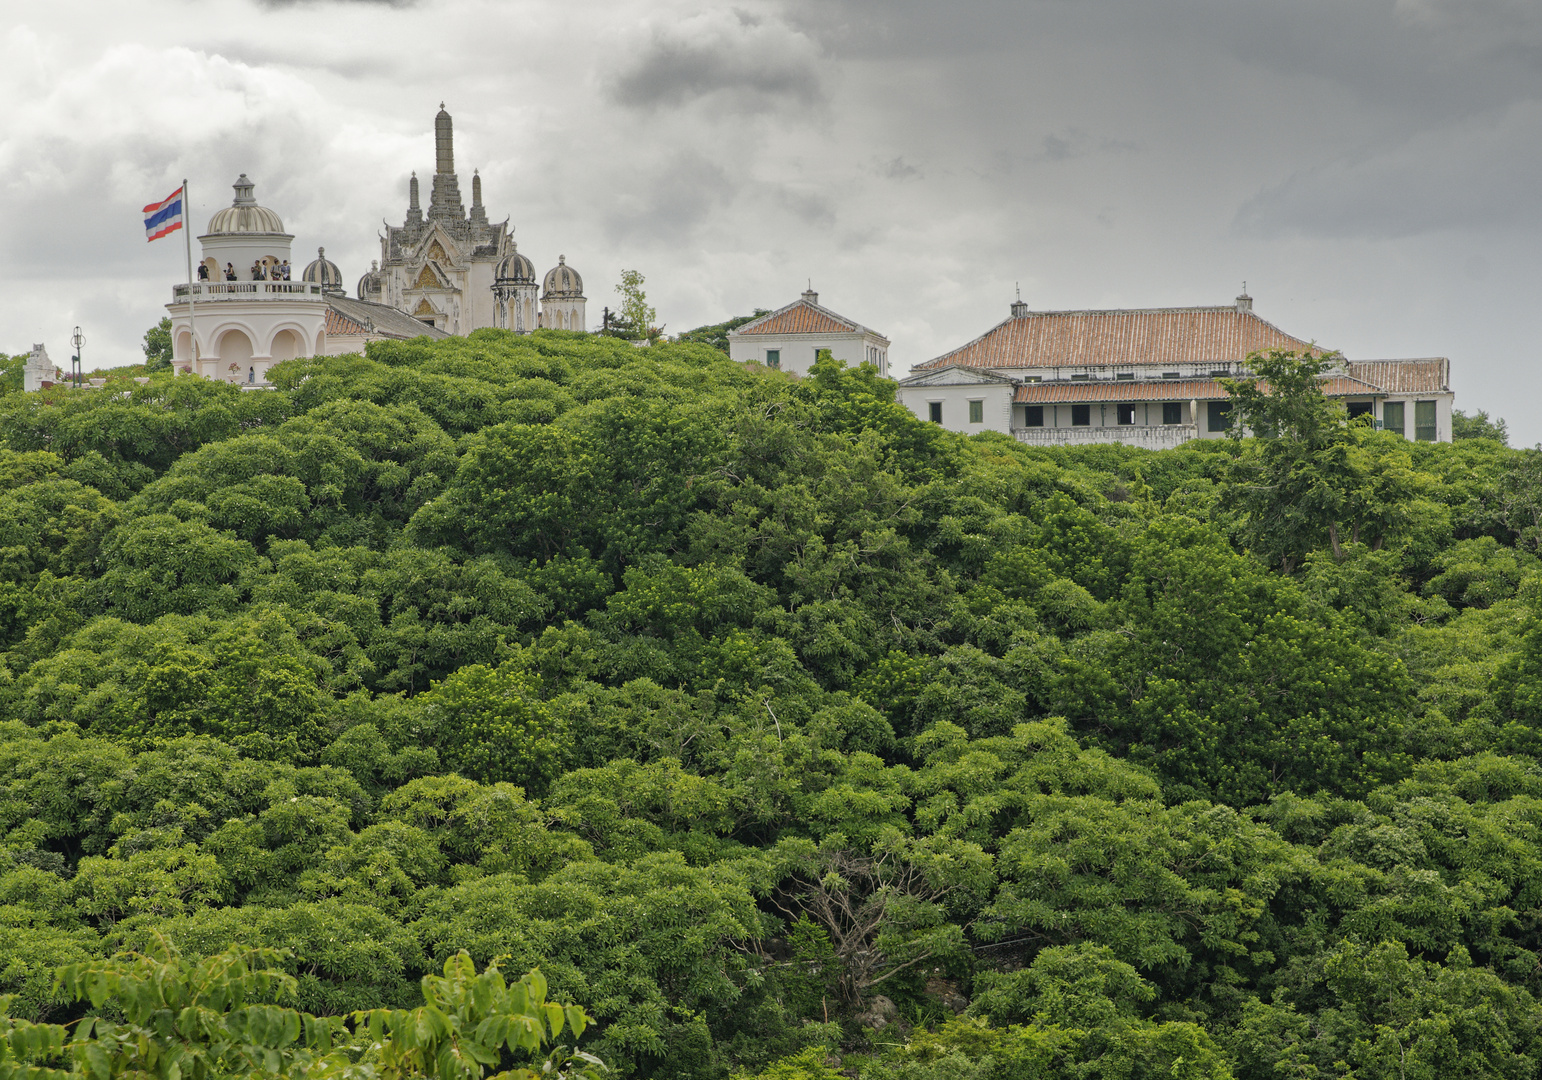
444, 142
1019, 309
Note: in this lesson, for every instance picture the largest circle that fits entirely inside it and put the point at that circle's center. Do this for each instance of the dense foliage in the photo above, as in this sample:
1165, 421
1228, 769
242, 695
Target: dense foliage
788, 735
716, 335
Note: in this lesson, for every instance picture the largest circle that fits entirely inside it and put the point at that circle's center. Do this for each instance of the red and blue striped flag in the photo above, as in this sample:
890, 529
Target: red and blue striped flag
164, 217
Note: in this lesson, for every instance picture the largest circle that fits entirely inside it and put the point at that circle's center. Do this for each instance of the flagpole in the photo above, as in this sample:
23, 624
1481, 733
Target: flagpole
187, 237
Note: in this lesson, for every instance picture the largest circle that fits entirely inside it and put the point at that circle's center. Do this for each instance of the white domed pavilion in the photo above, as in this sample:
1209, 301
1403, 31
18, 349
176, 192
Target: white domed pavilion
245, 312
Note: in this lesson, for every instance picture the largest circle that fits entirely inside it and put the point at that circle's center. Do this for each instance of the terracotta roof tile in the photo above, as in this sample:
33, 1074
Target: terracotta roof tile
1426, 376
366, 317
800, 318
1157, 336
1166, 390
338, 323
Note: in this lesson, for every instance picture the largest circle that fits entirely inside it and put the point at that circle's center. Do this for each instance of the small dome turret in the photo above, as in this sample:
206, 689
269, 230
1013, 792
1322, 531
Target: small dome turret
324, 272
370, 284
562, 282
244, 215
515, 269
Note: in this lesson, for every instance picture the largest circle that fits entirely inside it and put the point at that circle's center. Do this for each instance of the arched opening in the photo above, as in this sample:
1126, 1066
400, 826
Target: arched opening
286, 346
183, 350
321, 343
211, 266
235, 350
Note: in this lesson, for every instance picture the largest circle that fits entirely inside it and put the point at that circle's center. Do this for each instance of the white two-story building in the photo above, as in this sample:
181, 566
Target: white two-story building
1147, 378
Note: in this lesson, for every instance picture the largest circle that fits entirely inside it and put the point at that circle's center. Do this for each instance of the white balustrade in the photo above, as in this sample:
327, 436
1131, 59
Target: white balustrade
1151, 437
244, 290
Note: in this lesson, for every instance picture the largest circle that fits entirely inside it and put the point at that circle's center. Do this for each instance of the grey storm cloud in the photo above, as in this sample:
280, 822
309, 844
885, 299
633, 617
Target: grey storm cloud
1478, 176
671, 201
751, 63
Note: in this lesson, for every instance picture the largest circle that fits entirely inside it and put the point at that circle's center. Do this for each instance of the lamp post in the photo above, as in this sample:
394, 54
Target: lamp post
77, 339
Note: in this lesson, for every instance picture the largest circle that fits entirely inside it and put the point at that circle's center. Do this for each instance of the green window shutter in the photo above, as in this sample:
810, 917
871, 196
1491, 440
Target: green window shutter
977, 412
1392, 418
1424, 421
1219, 415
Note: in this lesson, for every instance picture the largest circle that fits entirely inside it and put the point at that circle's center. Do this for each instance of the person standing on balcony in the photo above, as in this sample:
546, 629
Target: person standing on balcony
285, 269
230, 272
203, 272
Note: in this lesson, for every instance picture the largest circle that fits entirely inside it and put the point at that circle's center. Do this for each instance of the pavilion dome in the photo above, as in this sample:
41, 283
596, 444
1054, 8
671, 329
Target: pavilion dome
517, 269
369, 284
324, 272
244, 215
562, 281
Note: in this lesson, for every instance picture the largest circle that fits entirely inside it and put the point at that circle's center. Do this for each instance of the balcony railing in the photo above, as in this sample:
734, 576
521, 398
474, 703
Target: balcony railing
1152, 437
244, 290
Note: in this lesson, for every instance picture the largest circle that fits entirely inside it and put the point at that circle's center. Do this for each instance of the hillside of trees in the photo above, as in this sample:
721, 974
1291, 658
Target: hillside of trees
788, 736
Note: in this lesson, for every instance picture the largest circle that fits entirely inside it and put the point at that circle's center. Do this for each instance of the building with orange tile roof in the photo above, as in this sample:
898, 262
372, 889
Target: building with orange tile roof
791, 337
1147, 377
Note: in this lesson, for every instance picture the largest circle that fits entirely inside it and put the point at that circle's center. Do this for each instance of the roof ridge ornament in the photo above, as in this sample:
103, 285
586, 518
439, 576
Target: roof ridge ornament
1019, 309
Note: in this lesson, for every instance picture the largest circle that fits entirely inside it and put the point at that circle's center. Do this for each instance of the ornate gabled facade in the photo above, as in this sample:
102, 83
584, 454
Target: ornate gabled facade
1147, 378
453, 269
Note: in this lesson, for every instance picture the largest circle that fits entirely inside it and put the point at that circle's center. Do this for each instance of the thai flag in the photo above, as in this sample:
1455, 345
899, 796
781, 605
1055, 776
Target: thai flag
164, 217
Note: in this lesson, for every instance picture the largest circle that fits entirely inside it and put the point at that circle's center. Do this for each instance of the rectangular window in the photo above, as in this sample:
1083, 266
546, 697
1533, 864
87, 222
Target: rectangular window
1080, 378
1172, 412
934, 411
1359, 408
1392, 417
1127, 412
1033, 416
1220, 373
1033, 378
977, 412
1125, 376
1170, 375
1219, 413
1081, 415
774, 358
1424, 421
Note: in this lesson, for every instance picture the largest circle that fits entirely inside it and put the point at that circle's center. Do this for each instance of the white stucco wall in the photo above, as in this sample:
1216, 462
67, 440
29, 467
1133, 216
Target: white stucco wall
260, 320
241, 250
798, 350
995, 399
1444, 402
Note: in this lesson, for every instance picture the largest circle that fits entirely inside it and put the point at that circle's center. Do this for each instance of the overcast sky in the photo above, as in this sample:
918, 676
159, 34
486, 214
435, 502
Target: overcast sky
1370, 167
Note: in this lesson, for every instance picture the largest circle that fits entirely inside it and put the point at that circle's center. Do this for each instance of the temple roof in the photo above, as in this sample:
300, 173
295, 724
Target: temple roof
348, 316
